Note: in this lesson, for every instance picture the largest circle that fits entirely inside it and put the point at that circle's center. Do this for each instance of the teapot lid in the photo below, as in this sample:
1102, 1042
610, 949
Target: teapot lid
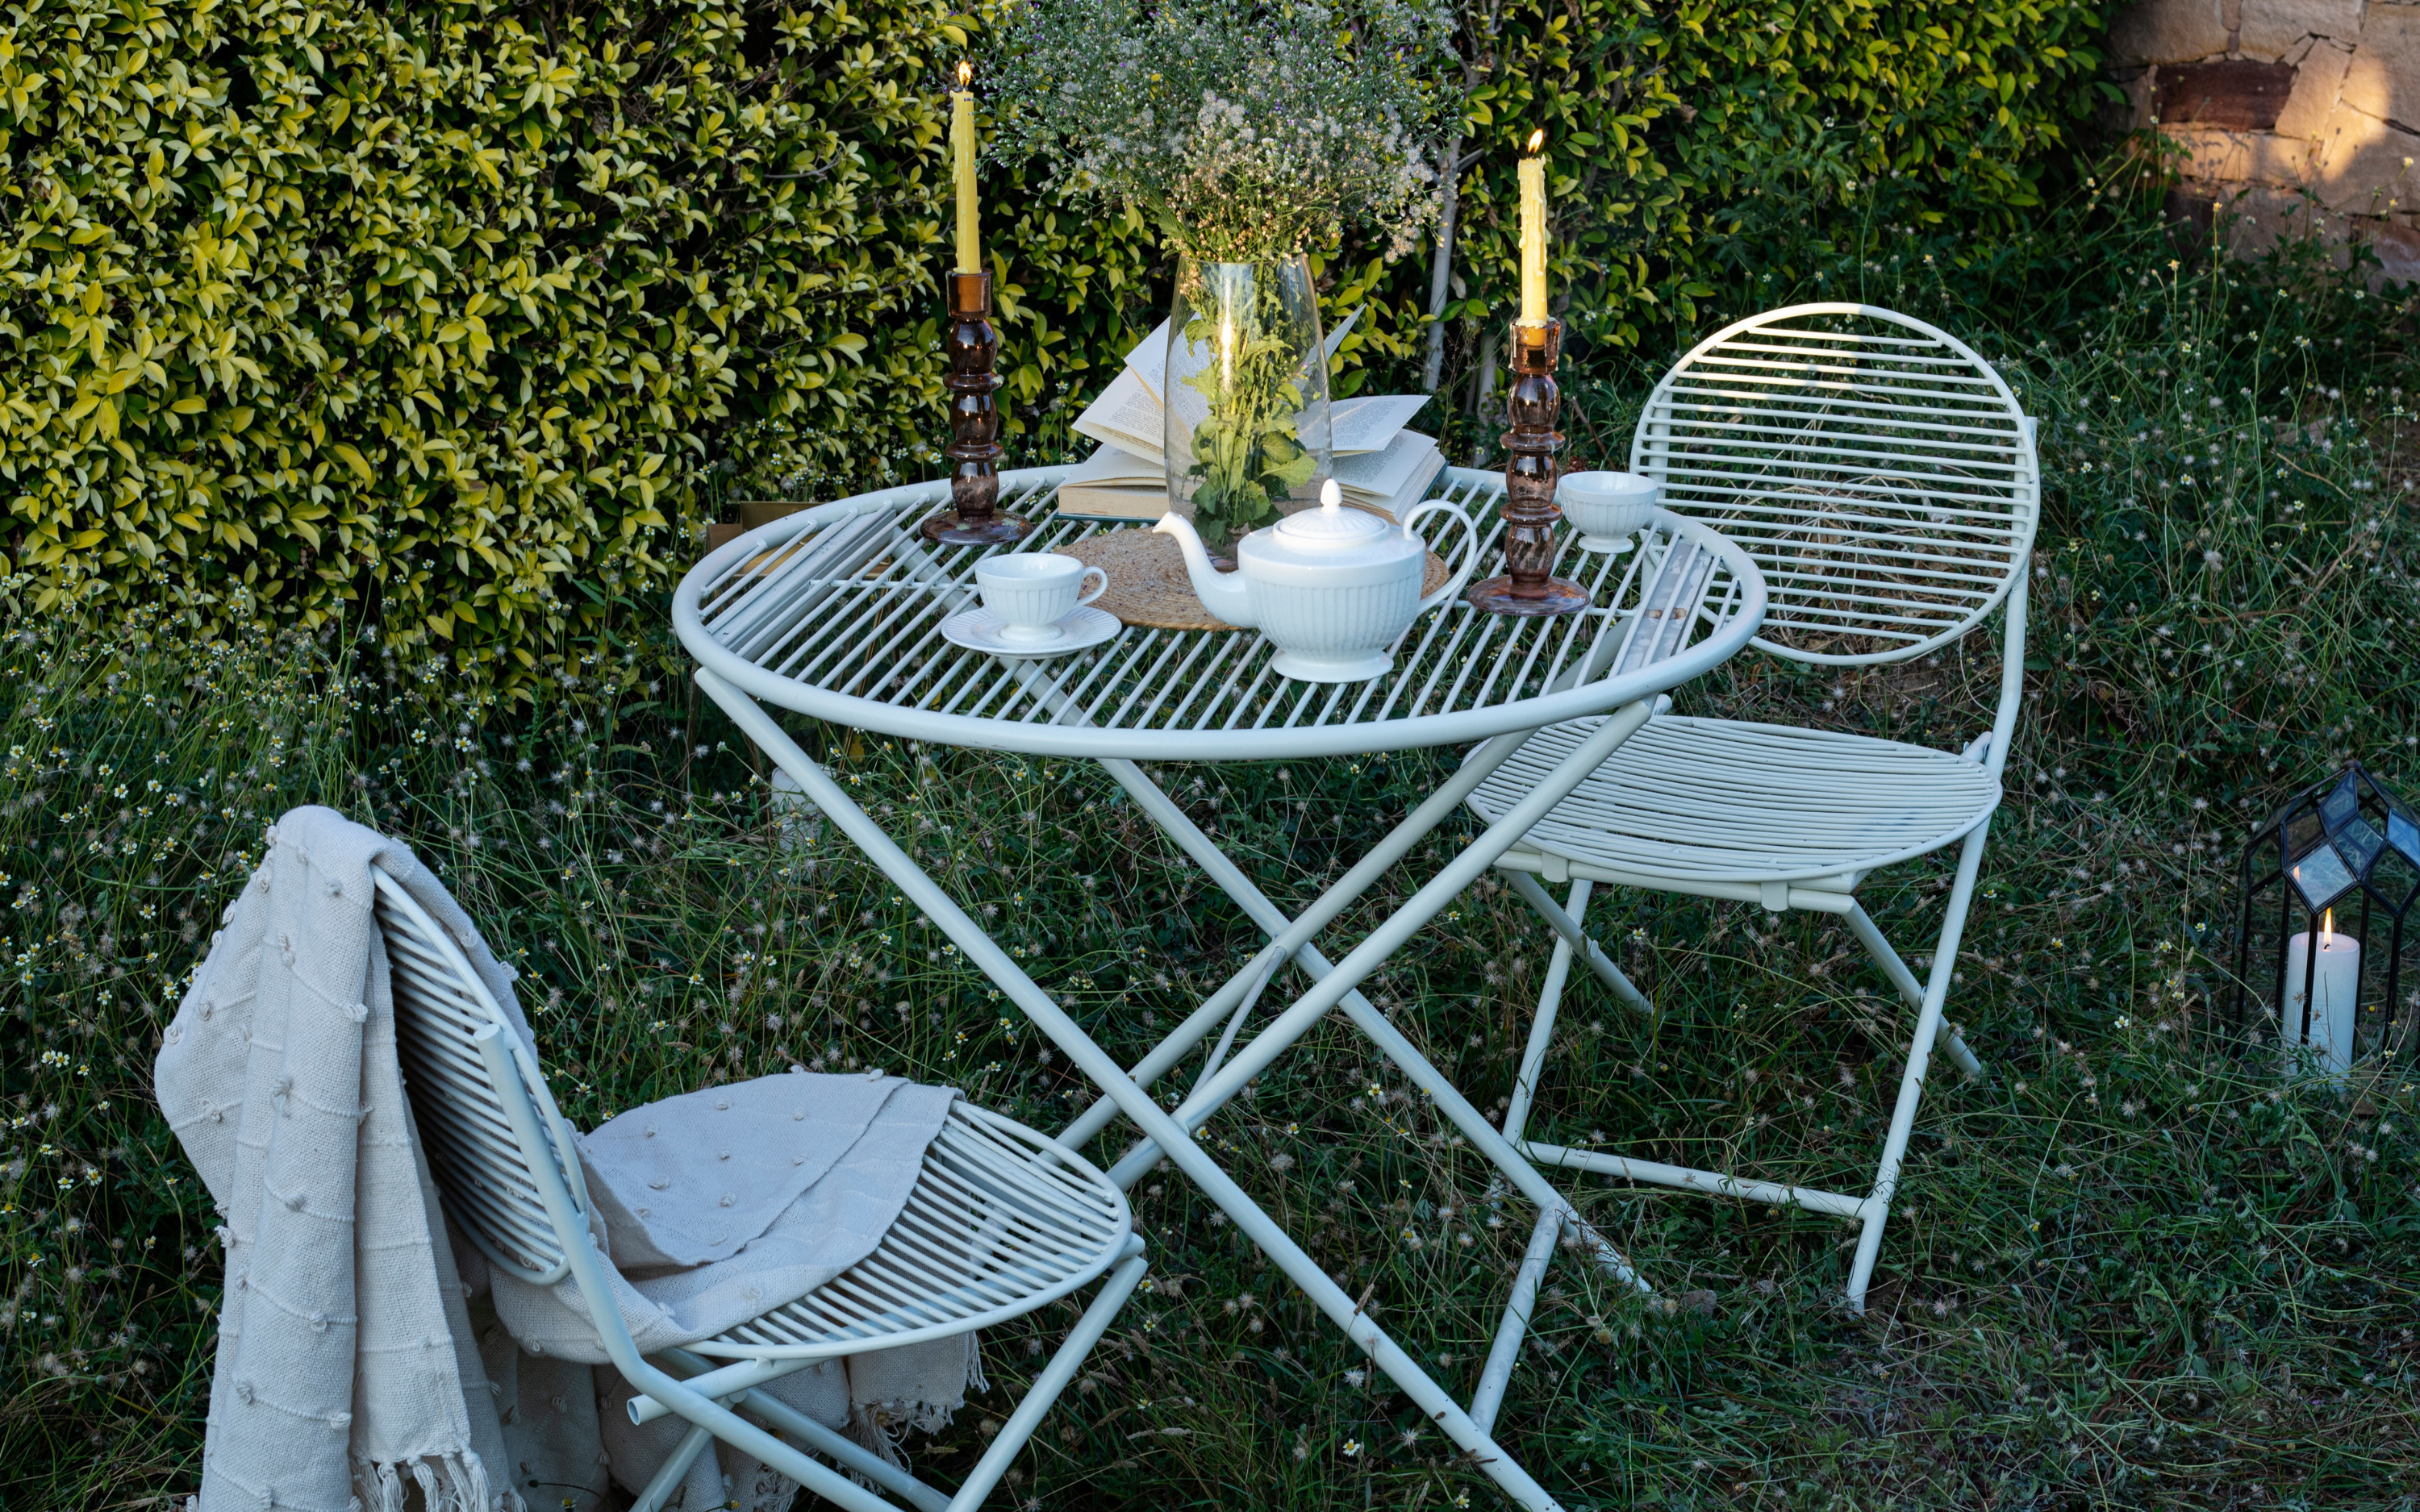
1331, 526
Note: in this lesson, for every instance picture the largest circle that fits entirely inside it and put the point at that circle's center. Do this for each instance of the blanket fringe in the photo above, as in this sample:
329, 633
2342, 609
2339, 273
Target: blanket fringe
453, 1483
869, 1426
925, 1417
879, 1427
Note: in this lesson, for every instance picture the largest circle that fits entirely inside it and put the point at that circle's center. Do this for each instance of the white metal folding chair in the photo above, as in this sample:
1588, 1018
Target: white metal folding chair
1882, 478
1001, 1220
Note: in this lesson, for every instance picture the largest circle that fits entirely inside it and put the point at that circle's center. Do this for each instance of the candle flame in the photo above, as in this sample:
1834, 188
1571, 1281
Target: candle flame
2327, 929
1537, 140
966, 73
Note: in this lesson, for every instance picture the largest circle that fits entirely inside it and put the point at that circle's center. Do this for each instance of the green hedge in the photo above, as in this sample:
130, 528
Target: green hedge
436, 312
452, 319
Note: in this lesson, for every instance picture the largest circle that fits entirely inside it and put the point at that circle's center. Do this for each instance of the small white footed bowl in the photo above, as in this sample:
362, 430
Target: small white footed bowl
1607, 508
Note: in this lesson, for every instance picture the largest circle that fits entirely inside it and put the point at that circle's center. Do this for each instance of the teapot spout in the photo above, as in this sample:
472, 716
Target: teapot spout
1225, 594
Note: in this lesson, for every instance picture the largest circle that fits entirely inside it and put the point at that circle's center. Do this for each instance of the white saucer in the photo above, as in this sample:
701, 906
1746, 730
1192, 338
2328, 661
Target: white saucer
978, 629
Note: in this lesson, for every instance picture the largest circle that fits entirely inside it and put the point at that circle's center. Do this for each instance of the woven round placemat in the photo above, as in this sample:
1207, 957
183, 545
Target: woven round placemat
1149, 586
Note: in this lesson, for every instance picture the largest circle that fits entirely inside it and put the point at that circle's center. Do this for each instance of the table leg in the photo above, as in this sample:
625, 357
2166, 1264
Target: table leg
1336, 985
1287, 938
1094, 1062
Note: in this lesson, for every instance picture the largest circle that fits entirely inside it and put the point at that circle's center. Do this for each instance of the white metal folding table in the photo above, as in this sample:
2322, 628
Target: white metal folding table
835, 612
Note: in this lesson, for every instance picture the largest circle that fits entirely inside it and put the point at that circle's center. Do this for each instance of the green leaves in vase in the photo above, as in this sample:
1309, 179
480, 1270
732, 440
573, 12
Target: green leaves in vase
1247, 453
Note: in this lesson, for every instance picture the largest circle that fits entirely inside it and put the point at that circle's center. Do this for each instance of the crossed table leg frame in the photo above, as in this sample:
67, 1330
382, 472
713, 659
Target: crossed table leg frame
1168, 1135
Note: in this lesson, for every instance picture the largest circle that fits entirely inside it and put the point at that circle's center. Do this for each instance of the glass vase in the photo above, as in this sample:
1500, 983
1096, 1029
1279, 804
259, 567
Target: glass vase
1244, 396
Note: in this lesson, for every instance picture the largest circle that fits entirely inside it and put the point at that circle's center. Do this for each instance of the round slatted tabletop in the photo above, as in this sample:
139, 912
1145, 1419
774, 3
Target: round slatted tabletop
835, 612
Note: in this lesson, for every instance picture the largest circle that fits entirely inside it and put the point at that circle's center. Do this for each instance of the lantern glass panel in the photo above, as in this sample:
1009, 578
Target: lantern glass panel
2360, 843
2303, 832
2396, 880
2404, 836
2341, 804
2265, 853
2322, 877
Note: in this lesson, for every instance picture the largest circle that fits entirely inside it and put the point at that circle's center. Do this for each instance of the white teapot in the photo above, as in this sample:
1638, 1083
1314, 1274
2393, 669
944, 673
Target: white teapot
1332, 588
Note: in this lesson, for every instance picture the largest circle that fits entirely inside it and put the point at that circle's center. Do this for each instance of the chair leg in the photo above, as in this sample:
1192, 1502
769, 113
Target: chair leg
1568, 928
676, 1470
1602, 1250
1011, 1440
780, 1417
1541, 1024
1862, 925
1116, 1288
1506, 1351
1920, 1054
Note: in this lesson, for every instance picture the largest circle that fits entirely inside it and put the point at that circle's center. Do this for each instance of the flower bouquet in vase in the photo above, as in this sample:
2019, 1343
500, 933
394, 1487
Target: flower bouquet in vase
1246, 414
1249, 134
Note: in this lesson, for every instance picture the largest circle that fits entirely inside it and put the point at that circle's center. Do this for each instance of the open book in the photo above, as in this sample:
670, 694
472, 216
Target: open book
1116, 483
1378, 463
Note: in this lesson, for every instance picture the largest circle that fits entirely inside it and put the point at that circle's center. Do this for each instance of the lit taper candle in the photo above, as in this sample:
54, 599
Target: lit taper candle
962, 143
1533, 230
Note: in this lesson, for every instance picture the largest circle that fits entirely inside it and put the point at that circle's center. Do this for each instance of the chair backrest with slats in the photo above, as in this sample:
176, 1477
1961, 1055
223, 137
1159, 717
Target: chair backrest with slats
1880, 474
480, 1165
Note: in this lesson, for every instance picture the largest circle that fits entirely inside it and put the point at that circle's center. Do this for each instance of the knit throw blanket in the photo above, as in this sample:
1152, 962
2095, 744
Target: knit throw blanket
348, 1372
346, 1368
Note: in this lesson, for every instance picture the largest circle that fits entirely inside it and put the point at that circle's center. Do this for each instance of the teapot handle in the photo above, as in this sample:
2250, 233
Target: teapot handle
1454, 584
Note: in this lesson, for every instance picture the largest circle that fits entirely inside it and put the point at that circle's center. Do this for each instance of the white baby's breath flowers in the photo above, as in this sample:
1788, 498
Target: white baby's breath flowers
1247, 133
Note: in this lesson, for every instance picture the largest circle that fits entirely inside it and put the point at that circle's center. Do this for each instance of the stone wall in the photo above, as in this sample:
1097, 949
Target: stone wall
2278, 103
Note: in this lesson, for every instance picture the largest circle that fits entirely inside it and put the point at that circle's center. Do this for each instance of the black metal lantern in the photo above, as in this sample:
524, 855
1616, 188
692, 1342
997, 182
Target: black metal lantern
2344, 860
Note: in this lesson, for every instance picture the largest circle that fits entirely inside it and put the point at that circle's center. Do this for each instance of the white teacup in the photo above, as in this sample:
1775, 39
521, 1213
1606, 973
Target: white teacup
1032, 591
1609, 508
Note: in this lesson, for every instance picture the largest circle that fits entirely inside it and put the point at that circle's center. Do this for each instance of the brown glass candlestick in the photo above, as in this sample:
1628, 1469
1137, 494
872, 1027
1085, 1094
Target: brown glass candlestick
1529, 513
974, 448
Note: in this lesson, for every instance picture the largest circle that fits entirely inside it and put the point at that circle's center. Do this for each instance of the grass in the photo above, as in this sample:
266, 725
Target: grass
2135, 1267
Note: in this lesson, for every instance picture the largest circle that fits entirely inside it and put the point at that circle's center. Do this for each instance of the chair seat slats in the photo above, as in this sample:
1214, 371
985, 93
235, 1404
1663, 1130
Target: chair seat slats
947, 1268
1716, 800
1001, 1222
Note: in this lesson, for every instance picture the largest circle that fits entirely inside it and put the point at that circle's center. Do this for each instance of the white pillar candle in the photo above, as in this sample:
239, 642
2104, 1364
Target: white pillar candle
2336, 986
